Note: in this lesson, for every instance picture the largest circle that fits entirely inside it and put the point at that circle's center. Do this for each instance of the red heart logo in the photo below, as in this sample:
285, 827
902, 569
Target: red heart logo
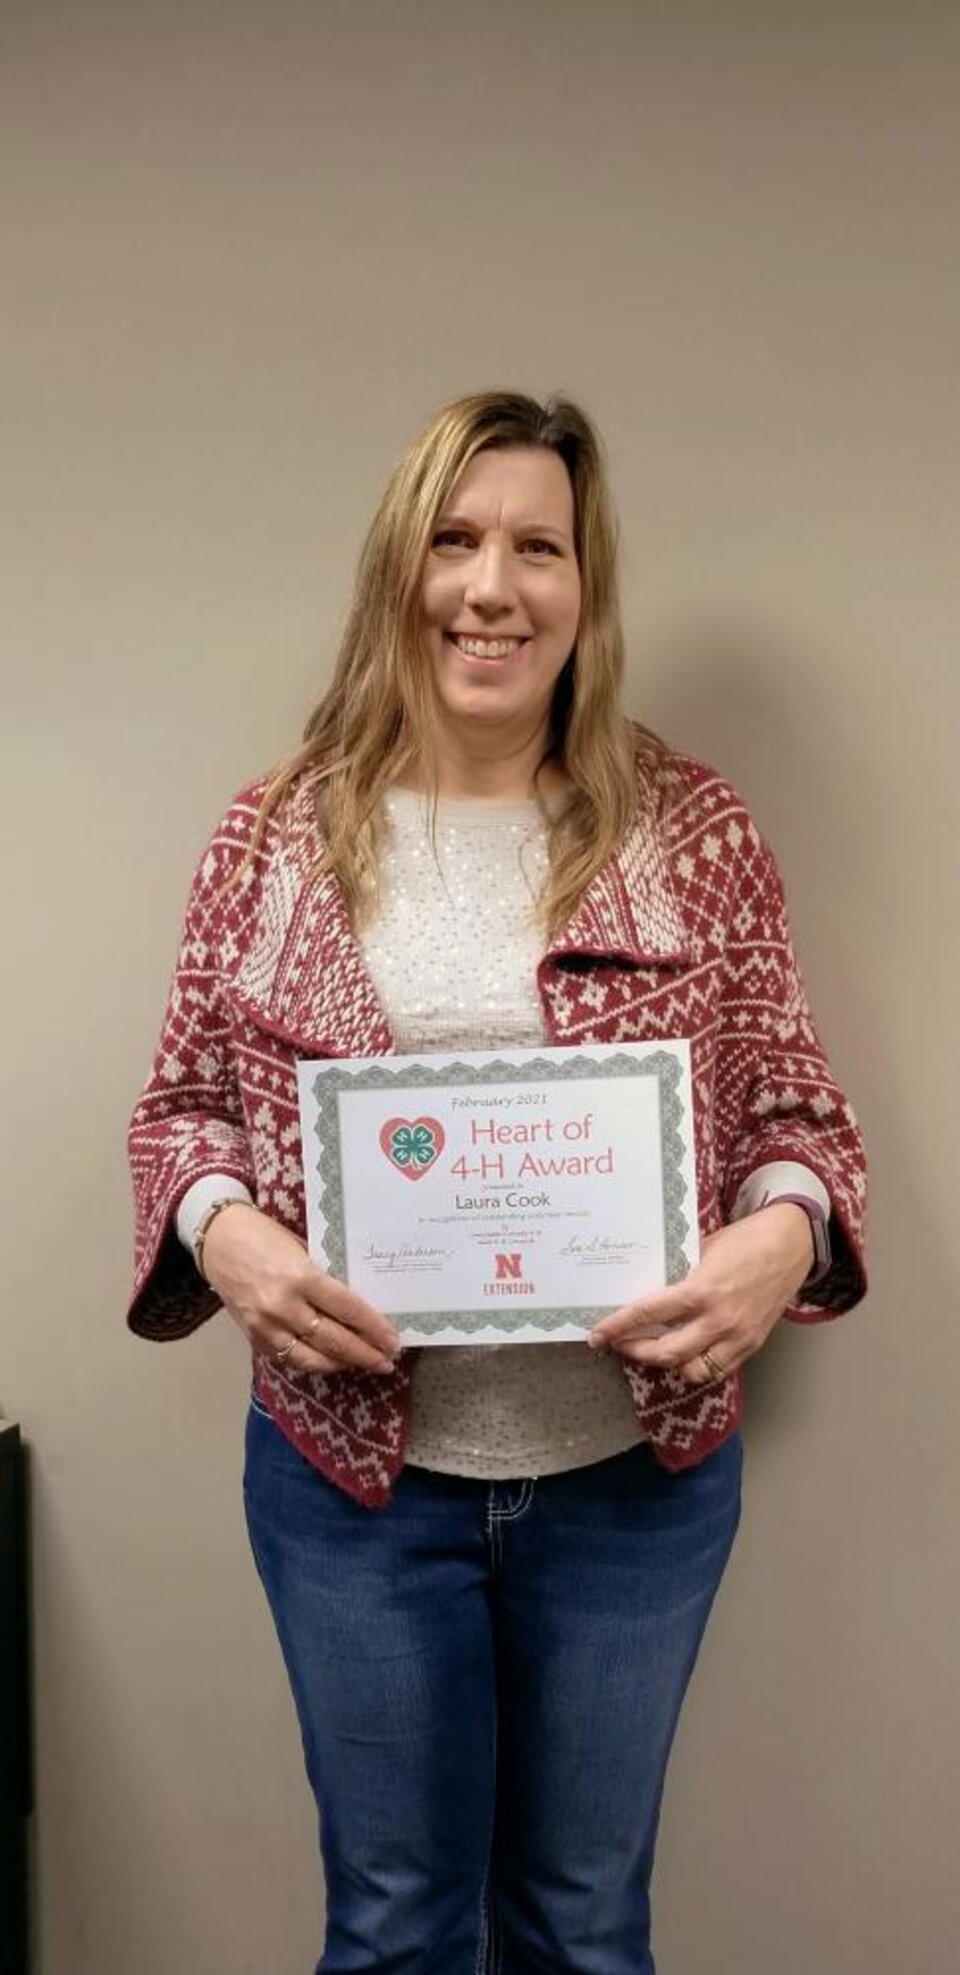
412, 1145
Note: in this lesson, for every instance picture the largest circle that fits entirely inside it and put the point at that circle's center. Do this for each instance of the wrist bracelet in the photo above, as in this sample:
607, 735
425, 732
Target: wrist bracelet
206, 1222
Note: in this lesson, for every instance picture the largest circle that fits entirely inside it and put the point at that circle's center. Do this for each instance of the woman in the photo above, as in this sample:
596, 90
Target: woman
489, 1568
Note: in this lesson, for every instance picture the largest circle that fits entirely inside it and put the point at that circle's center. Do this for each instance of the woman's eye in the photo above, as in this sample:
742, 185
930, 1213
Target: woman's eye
460, 541
451, 538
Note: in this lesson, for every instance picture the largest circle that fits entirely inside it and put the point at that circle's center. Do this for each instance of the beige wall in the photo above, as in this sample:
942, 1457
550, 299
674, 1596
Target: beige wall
249, 247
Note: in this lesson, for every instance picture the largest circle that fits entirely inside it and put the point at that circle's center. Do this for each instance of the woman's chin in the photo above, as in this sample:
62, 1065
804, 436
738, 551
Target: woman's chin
486, 711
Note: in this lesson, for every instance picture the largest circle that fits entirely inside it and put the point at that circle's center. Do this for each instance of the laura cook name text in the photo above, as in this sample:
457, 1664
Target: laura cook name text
498, 1200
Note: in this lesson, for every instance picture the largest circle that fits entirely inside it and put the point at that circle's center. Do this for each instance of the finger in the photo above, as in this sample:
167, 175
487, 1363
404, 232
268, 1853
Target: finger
330, 1298
300, 1358
667, 1309
708, 1368
313, 1341
678, 1347
324, 1337
305, 1359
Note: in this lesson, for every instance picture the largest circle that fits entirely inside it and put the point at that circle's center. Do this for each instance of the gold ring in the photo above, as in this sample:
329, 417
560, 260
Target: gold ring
714, 1371
280, 1357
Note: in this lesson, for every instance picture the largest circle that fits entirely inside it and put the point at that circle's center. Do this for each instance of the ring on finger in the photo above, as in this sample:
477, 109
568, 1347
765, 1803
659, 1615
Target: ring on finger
713, 1369
279, 1358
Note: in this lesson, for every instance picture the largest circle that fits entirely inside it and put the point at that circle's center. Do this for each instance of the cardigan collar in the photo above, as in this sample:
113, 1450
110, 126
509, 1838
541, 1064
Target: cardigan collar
303, 975
630, 910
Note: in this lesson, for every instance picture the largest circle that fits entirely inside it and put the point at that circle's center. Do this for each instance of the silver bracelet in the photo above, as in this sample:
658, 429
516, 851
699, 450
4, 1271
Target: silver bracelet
205, 1223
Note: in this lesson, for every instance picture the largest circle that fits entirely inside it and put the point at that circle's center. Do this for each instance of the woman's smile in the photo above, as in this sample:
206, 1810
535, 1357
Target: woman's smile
485, 649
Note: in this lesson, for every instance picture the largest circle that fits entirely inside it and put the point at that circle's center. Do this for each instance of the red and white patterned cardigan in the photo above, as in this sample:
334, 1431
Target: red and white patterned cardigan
684, 933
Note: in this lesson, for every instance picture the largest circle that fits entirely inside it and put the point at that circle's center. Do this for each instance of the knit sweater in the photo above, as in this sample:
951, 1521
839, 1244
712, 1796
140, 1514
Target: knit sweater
682, 934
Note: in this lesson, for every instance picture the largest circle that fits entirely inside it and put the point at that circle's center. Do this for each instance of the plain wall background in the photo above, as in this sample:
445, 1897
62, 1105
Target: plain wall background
247, 249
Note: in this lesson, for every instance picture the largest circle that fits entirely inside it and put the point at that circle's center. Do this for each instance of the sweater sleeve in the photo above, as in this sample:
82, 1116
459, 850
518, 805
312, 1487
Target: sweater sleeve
188, 1120
783, 1097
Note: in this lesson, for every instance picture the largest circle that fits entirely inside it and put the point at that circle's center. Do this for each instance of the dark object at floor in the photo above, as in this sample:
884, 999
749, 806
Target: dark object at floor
14, 1707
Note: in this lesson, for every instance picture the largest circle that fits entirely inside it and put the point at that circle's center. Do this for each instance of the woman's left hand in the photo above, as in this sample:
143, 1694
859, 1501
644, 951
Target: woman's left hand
725, 1309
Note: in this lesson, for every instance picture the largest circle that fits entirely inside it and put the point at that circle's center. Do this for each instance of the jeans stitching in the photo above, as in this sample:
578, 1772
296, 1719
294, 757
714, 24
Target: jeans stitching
511, 1512
492, 1527
480, 1964
488, 1956
496, 1947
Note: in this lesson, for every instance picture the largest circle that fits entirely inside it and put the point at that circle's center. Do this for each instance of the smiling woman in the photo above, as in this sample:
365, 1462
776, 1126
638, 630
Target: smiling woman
497, 515
489, 1568
501, 603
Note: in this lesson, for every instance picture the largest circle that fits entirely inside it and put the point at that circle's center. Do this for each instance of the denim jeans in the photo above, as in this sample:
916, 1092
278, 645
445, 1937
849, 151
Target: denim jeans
488, 1677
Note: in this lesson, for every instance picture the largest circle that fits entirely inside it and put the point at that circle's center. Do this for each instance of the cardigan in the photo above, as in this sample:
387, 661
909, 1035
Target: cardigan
682, 934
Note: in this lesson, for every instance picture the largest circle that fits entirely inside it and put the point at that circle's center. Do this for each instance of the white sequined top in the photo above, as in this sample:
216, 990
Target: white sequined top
453, 953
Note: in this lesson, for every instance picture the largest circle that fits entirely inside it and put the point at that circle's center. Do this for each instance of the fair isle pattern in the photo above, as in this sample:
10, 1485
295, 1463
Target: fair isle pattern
684, 933
634, 911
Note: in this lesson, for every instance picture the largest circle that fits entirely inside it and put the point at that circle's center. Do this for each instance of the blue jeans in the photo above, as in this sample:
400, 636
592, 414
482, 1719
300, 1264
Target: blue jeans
488, 1677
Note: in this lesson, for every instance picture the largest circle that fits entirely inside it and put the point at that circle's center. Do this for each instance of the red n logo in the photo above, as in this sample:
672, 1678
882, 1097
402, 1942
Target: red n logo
508, 1265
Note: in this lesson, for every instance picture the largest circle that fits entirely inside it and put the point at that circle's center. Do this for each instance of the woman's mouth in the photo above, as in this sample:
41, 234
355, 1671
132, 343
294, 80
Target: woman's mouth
485, 649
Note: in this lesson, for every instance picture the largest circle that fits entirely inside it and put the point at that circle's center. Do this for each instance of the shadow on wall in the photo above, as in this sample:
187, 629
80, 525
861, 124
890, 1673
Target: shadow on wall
853, 1425
760, 711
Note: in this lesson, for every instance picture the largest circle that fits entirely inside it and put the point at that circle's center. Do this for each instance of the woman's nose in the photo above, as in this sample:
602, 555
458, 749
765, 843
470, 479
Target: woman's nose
490, 581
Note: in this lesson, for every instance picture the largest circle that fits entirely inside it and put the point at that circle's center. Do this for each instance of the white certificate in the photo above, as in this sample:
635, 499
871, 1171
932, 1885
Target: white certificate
503, 1196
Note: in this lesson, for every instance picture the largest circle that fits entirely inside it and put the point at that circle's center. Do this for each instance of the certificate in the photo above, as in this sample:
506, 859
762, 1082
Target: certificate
491, 1197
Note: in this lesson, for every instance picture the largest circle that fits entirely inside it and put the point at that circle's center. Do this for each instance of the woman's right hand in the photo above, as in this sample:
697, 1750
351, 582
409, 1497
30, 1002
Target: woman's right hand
289, 1310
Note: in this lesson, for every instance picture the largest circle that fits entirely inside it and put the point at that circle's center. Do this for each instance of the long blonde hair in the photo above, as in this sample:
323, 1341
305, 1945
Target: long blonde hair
379, 713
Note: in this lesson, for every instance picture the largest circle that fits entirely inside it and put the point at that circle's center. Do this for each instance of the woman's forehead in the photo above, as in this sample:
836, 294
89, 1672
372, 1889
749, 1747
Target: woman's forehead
517, 482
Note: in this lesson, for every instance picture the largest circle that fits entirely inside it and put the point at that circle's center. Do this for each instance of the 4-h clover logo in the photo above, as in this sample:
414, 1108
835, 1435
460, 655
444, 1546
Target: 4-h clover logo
412, 1145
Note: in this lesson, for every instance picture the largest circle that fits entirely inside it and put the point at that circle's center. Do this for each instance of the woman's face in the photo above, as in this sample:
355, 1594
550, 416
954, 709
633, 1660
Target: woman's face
500, 601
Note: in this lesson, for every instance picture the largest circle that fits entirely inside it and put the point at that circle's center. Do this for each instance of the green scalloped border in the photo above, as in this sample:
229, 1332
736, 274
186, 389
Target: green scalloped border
381, 1075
